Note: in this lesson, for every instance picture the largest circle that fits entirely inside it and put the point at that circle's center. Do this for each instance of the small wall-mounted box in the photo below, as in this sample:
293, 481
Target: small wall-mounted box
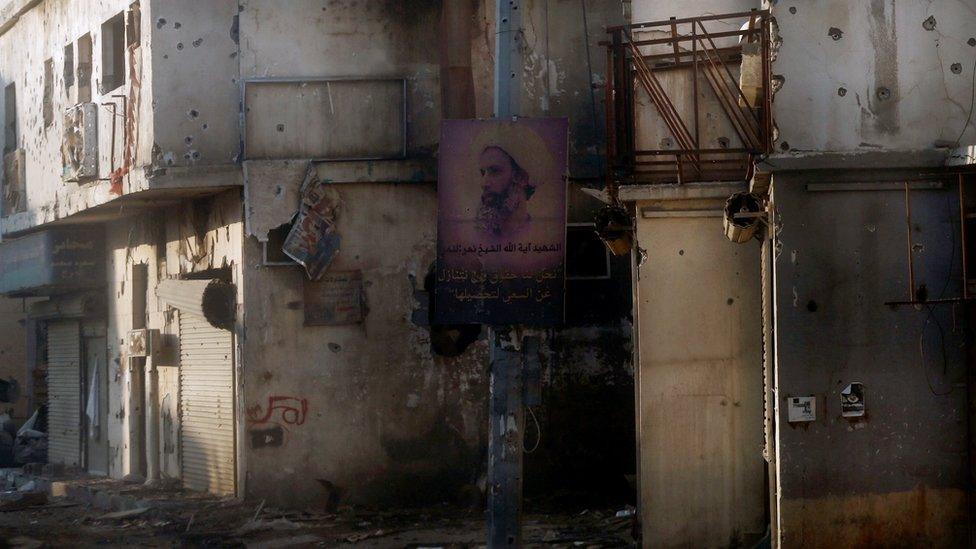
142, 343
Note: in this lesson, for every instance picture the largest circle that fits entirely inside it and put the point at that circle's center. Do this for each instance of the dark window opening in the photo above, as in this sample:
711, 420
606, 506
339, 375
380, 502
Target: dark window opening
9, 118
448, 340
113, 53
587, 257
133, 29
47, 103
273, 255
84, 68
69, 68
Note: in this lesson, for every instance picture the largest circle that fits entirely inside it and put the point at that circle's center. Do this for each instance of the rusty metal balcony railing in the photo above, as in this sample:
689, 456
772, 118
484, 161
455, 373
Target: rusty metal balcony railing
692, 53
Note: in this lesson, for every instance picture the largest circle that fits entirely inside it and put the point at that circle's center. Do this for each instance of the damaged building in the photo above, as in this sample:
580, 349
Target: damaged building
242, 222
219, 247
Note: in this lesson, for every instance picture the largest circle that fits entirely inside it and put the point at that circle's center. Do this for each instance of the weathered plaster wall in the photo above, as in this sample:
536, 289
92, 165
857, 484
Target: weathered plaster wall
195, 86
898, 476
563, 72
189, 237
41, 33
13, 354
387, 421
859, 76
178, 108
353, 39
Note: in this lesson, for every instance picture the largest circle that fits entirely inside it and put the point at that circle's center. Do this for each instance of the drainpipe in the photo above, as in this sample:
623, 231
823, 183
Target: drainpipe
457, 80
152, 422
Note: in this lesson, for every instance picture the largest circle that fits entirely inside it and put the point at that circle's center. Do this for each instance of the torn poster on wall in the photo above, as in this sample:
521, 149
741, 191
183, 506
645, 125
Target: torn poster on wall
335, 299
314, 240
802, 409
852, 400
501, 226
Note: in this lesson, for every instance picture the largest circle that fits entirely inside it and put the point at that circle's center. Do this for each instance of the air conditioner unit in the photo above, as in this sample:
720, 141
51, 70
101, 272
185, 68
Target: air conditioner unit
142, 343
14, 182
79, 148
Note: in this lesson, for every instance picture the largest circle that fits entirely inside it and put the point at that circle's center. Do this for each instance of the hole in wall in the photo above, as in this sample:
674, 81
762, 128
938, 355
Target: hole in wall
448, 340
812, 306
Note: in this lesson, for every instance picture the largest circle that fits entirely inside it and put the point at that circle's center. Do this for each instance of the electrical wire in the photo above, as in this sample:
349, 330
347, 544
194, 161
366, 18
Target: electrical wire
972, 103
921, 353
538, 430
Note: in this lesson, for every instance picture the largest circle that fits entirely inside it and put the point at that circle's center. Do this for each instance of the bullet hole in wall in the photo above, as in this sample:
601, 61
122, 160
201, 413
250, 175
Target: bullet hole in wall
956, 68
197, 42
335, 347
192, 113
205, 126
160, 23
177, 25
281, 127
723, 142
784, 145
971, 42
812, 306
188, 140
681, 252
884, 93
929, 24
842, 91
179, 45
835, 33
667, 143
729, 301
793, 9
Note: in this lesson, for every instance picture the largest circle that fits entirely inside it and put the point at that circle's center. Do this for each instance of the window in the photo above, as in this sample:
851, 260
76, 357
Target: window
69, 68
47, 103
84, 68
9, 118
272, 248
113, 53
132, 27
587, 257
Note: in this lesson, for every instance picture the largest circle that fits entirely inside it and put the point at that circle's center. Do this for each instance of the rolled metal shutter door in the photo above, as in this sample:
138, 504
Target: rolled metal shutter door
207, 434
64, 392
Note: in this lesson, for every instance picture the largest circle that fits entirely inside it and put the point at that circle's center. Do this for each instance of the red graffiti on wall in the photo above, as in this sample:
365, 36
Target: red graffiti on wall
292, 410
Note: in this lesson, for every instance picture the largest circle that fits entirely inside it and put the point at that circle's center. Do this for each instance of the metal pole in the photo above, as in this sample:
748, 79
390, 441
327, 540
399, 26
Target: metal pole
508, 57
505, 414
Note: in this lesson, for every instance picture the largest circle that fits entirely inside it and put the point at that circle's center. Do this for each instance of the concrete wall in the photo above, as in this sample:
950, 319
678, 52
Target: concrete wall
700, 380
178, 107
899, 475
13, 354
390, 421
387, 422
833, 94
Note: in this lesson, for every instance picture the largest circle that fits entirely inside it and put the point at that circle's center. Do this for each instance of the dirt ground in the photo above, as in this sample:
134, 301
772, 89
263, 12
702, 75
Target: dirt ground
211, 522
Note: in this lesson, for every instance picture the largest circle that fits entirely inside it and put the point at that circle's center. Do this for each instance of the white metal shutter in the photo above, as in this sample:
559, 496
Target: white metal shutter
207, 433
64, 392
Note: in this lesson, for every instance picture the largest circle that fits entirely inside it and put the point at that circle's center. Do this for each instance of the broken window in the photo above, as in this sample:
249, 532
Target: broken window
113, 53
48, 101
587, 257
84, 68
133, 29
69, 68
10, 118
273, 255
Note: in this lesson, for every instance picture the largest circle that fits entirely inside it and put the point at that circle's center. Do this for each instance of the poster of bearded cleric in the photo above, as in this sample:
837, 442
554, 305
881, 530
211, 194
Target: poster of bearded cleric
501, 224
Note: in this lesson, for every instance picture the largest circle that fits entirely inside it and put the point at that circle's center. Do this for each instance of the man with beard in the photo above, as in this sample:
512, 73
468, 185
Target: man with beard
505, 192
